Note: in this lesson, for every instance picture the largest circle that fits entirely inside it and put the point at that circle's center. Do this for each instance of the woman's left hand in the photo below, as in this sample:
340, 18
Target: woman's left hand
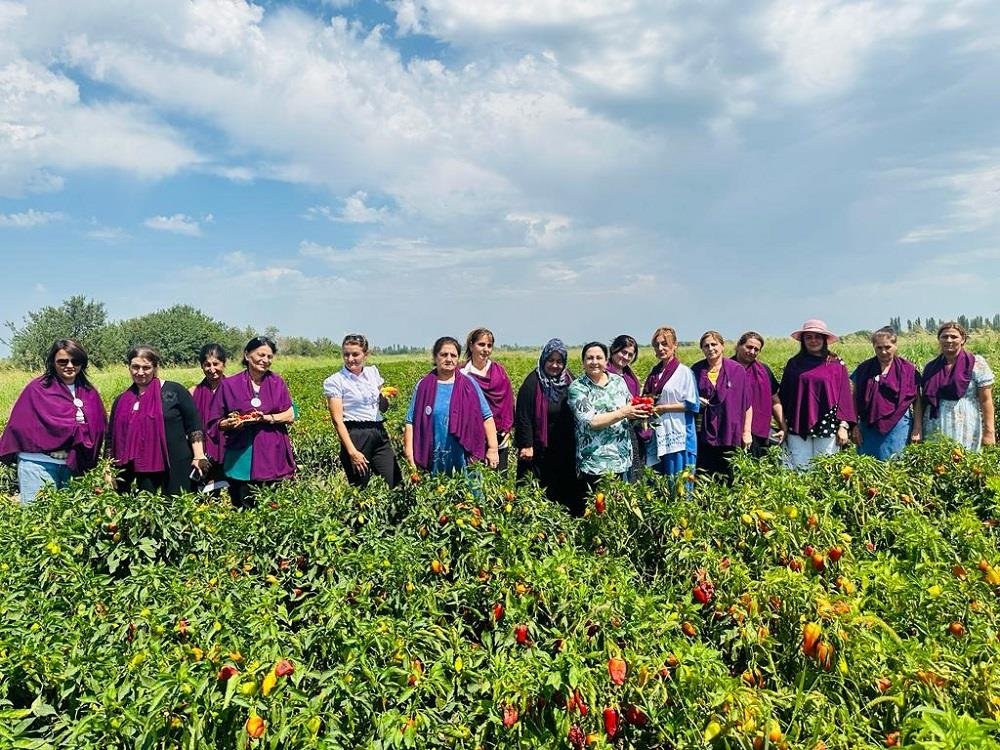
842, 437
493, 457
989, 437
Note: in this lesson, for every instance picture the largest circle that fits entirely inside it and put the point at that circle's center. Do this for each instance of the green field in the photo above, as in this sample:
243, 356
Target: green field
469, 612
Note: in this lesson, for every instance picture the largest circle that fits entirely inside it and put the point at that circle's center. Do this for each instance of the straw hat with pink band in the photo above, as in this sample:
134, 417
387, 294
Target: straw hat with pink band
815, 325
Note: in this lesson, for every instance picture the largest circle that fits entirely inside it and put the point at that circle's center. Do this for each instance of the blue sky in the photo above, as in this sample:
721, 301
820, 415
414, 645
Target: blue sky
572, 168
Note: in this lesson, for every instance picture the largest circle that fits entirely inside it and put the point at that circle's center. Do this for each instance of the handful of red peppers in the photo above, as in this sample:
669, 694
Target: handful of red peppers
646, 402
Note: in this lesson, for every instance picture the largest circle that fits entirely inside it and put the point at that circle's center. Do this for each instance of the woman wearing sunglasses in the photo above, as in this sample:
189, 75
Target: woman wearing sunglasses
56, 429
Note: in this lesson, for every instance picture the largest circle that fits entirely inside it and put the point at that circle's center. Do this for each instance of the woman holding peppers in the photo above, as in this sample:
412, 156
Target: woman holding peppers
727, 412
602, 404
356, 396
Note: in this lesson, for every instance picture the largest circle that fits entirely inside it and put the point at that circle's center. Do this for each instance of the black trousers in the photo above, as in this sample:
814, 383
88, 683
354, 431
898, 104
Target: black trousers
371, 439
141, 481
714, 459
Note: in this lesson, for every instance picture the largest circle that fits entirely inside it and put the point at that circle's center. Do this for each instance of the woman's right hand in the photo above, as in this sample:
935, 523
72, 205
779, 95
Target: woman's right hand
526, 454
637, 411
359, 462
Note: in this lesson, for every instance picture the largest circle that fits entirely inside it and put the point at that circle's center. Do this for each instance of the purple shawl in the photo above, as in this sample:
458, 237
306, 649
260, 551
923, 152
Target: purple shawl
203, 396
762, 384
138, 435
949, 386
728, 400
882, 400
629, 377
811, 387
541, 417
465, 419
44, 420
272, 456
659, 376
499, 395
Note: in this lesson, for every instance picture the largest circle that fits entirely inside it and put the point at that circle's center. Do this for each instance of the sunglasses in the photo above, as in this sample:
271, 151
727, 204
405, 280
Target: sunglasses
62, 361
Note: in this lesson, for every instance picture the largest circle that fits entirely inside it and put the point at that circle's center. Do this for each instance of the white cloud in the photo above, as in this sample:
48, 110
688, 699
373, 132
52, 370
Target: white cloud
30, 218
974, 204
354, 211
110, 235
45, 130
178, 224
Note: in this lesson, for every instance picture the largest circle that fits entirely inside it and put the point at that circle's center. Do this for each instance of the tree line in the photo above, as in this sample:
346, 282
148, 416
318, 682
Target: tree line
177, 332
930, 325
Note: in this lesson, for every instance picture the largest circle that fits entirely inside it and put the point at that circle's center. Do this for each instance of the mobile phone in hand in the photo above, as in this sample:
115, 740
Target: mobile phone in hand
195, 474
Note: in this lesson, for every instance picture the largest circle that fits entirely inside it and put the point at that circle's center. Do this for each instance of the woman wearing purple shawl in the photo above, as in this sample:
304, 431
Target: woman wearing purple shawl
155, 436
495, 384
673, 449
623, 352
449, 422
816, 397
56, 429
763, 394
726, 408
253, 409
886, 394
544, 428
958, 392
212, 358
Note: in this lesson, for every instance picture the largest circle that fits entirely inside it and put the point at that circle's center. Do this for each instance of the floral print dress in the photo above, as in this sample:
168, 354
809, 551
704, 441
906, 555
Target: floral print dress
607, 451
962, 420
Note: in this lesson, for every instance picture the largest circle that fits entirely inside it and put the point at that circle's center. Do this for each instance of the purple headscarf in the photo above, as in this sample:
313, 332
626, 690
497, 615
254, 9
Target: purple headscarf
499, 395
811, 387
44, 420
882, 400
203, 396
138, 435
950, 386
272, 456
465, 419
762, 386
728, 400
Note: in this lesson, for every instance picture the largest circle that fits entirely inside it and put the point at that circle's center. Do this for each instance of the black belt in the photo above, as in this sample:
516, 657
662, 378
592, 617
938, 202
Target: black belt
349, 425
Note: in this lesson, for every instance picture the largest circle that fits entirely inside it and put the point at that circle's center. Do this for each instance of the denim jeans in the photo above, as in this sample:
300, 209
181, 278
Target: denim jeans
31, 475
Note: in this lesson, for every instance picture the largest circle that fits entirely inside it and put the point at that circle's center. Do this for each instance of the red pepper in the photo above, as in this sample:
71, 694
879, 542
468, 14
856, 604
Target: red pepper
610, 722
509, 716
521, 635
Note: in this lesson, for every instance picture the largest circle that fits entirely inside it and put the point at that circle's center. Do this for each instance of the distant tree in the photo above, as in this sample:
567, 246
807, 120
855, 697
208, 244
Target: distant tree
299, 345
896, 323
930, 325
77, 317
177, 333
996, 322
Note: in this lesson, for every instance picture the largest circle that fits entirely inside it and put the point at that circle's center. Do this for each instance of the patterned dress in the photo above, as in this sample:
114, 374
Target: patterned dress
962, 420
607, 451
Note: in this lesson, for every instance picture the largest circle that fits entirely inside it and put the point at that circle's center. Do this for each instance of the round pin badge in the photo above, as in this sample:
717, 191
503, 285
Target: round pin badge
78, 403
428, 410
255, 402
135, 406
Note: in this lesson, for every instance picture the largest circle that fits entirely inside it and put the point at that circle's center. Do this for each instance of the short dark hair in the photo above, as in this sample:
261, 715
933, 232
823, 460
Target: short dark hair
256, 343
590, 345
446, 340
75, 351
212, 350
